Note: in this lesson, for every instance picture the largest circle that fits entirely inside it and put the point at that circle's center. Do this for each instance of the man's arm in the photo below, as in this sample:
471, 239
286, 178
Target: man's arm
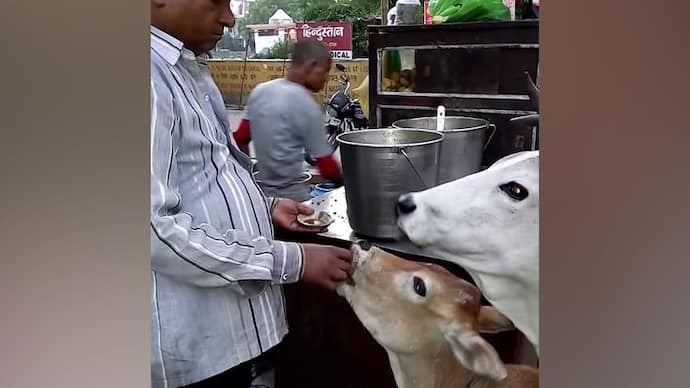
315, 144
243, 134
199, 254
329, 169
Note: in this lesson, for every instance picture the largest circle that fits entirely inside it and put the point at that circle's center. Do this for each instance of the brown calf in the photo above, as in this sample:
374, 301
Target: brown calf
428, 321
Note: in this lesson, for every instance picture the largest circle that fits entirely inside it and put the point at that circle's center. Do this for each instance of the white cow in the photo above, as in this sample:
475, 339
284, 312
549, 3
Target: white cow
428, 321
488, 223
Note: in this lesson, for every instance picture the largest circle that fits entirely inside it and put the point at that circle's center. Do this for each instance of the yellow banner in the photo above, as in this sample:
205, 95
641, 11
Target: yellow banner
236, 78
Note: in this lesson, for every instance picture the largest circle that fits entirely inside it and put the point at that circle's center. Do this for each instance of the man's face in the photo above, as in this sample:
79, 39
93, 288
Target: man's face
317, 75
198, 24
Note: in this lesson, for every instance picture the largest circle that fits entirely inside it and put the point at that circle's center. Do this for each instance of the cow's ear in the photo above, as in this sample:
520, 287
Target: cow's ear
493, 321
473, 352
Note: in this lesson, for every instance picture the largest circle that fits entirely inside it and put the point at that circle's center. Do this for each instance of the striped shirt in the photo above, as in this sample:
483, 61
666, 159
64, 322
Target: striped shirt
216, 272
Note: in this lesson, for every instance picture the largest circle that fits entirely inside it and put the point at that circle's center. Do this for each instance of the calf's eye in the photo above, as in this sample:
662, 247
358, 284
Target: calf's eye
419, 286
515, 190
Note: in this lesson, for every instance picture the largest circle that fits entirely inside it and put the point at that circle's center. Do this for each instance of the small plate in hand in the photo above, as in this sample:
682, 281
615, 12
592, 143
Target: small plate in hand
316, 220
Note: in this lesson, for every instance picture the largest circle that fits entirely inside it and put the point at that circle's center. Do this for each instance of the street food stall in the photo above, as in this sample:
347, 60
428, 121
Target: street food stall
473, 69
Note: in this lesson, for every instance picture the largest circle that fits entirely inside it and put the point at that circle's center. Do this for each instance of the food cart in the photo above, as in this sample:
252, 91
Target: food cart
473, 69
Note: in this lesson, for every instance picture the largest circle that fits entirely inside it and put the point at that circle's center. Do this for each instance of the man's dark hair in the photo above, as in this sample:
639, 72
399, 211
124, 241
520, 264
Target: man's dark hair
309, 51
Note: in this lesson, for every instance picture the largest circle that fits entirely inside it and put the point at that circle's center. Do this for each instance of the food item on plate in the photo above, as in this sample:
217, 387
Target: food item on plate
317, 219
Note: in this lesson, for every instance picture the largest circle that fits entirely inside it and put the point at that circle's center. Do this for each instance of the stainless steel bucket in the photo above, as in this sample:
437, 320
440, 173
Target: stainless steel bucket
465, 140
379, 165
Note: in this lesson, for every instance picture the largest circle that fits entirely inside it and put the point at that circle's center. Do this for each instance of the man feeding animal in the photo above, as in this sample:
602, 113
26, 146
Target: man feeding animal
488, 223
428, 321
217, 271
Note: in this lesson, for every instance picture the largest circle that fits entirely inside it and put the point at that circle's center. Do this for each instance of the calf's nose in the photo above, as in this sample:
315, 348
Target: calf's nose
364, 244
406, 204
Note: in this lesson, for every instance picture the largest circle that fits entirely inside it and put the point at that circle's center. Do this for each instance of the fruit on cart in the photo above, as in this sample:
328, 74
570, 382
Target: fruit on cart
408, 75
403, 81
456, 11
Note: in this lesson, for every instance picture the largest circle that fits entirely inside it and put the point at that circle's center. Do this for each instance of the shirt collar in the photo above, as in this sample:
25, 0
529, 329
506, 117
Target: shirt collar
166, 46
171, 48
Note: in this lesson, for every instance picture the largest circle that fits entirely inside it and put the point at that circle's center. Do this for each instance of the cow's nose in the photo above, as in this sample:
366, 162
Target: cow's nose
406, 204
364, 244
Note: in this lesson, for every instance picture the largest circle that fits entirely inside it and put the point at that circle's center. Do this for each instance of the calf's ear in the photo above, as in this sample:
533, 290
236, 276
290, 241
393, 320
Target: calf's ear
493, 321
474, 353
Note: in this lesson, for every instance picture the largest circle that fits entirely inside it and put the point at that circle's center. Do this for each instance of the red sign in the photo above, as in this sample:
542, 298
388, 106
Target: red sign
337, 36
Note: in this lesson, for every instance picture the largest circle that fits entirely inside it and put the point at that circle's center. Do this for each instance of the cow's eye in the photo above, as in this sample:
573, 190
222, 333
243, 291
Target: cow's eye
515, 190
419, 286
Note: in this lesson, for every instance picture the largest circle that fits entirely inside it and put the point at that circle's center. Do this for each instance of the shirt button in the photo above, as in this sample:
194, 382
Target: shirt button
285, 277
206, 97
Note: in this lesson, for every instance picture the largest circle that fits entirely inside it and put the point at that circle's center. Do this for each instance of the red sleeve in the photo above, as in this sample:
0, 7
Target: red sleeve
242, 135
328, 167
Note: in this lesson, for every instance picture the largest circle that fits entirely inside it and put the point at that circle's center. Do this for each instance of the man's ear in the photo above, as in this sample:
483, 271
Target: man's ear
493, 321
312, 64
474, 353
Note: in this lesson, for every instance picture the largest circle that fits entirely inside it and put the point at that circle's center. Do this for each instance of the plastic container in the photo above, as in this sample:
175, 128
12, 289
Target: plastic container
322, 188
408, 12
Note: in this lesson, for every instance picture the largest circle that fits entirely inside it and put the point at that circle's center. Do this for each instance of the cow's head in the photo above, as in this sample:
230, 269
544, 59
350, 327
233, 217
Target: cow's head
490, 219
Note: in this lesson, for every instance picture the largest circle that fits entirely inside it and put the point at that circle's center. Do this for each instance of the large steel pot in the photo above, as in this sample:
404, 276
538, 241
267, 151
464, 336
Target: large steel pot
379, 165
465, 140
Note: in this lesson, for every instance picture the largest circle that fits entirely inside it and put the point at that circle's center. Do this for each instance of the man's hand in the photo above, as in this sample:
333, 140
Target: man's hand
285, 215
325, 265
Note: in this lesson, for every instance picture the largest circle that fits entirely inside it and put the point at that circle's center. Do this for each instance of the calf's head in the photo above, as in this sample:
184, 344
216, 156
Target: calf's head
488, 216
422, 310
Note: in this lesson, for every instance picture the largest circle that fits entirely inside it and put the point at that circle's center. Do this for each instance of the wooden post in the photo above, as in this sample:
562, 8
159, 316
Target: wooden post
384, 11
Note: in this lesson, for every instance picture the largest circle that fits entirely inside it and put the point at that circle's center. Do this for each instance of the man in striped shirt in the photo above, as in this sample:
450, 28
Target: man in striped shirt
216, 269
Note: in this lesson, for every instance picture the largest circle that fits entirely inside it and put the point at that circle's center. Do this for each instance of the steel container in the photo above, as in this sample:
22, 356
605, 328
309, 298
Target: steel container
379, 165
465, 139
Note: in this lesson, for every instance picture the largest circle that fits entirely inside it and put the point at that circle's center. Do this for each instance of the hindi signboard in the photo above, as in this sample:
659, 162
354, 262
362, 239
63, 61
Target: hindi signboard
336, 35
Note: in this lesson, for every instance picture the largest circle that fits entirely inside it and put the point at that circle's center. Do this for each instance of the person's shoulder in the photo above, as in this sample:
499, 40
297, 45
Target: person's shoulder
158, 62
272, 84
160, 75
292, 87
298, 93
263, 88
161, 68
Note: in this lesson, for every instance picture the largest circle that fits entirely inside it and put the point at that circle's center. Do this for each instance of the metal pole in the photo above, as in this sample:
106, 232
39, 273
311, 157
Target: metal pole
244, 72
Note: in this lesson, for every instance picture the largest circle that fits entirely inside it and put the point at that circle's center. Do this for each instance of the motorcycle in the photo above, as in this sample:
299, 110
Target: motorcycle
343, 114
